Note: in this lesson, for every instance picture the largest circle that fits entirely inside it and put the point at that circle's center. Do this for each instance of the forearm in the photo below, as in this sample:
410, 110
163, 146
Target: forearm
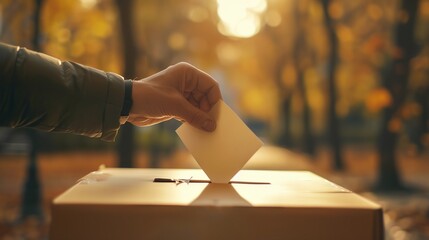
42, 92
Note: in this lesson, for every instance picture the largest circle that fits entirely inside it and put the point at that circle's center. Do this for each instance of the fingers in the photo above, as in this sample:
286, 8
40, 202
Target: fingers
195, 116
199, 84
205, 105
180, 91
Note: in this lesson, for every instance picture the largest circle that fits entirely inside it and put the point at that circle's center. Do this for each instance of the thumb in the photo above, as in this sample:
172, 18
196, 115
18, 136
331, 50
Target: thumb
196, 117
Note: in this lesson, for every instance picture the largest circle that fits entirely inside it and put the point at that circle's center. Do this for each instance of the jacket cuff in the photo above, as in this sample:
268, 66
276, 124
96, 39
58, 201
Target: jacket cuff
113, 107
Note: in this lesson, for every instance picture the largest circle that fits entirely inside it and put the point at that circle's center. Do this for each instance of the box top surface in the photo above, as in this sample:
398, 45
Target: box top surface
114, 186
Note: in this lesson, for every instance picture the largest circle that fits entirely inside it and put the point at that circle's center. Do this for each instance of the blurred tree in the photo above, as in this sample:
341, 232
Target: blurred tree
290, 61
31, 198
31, 204
162, 29
84, 31
284, 137
301, 63
126, 140
333, 123
284, 86
395, 79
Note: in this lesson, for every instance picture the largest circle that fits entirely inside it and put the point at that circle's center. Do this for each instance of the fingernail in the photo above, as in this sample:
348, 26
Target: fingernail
209, 125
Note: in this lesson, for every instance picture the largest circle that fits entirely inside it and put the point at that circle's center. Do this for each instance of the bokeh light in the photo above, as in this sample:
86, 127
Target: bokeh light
240, 18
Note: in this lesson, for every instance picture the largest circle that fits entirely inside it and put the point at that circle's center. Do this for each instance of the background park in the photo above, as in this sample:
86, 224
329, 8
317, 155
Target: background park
337, 87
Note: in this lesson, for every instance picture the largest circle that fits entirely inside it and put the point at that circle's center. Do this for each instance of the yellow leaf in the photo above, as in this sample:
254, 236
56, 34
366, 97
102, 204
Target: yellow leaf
377, 99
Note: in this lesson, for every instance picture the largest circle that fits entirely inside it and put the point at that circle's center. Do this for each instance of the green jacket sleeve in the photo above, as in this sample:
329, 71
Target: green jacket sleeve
43, 92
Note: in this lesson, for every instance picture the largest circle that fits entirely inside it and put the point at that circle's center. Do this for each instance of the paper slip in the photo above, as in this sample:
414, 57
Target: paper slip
222, 153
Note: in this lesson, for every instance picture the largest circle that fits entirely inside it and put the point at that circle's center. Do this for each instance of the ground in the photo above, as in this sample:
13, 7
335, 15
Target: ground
406, 215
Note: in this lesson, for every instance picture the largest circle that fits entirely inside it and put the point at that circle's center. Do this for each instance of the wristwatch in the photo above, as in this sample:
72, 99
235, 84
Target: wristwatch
128, 101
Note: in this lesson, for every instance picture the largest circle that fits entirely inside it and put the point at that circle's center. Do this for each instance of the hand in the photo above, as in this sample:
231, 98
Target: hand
181, 91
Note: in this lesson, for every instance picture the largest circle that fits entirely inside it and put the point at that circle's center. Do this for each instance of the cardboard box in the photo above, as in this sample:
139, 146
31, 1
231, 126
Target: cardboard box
127, 204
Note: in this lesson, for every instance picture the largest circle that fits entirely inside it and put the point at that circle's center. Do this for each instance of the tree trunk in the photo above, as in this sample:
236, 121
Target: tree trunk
299, 48
31, 199
126, 139
395, 81
31, 203
333, 124
37, 27
309, 145
284, 136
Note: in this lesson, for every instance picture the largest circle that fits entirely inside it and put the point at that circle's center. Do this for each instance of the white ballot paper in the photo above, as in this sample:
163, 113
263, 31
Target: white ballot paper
222, 153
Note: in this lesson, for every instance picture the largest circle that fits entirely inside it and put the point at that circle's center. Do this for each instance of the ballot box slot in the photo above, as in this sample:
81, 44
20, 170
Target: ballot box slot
178, 181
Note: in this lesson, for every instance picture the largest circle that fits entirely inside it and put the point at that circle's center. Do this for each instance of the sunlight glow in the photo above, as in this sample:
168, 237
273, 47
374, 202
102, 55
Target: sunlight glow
240, 18
88, 4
